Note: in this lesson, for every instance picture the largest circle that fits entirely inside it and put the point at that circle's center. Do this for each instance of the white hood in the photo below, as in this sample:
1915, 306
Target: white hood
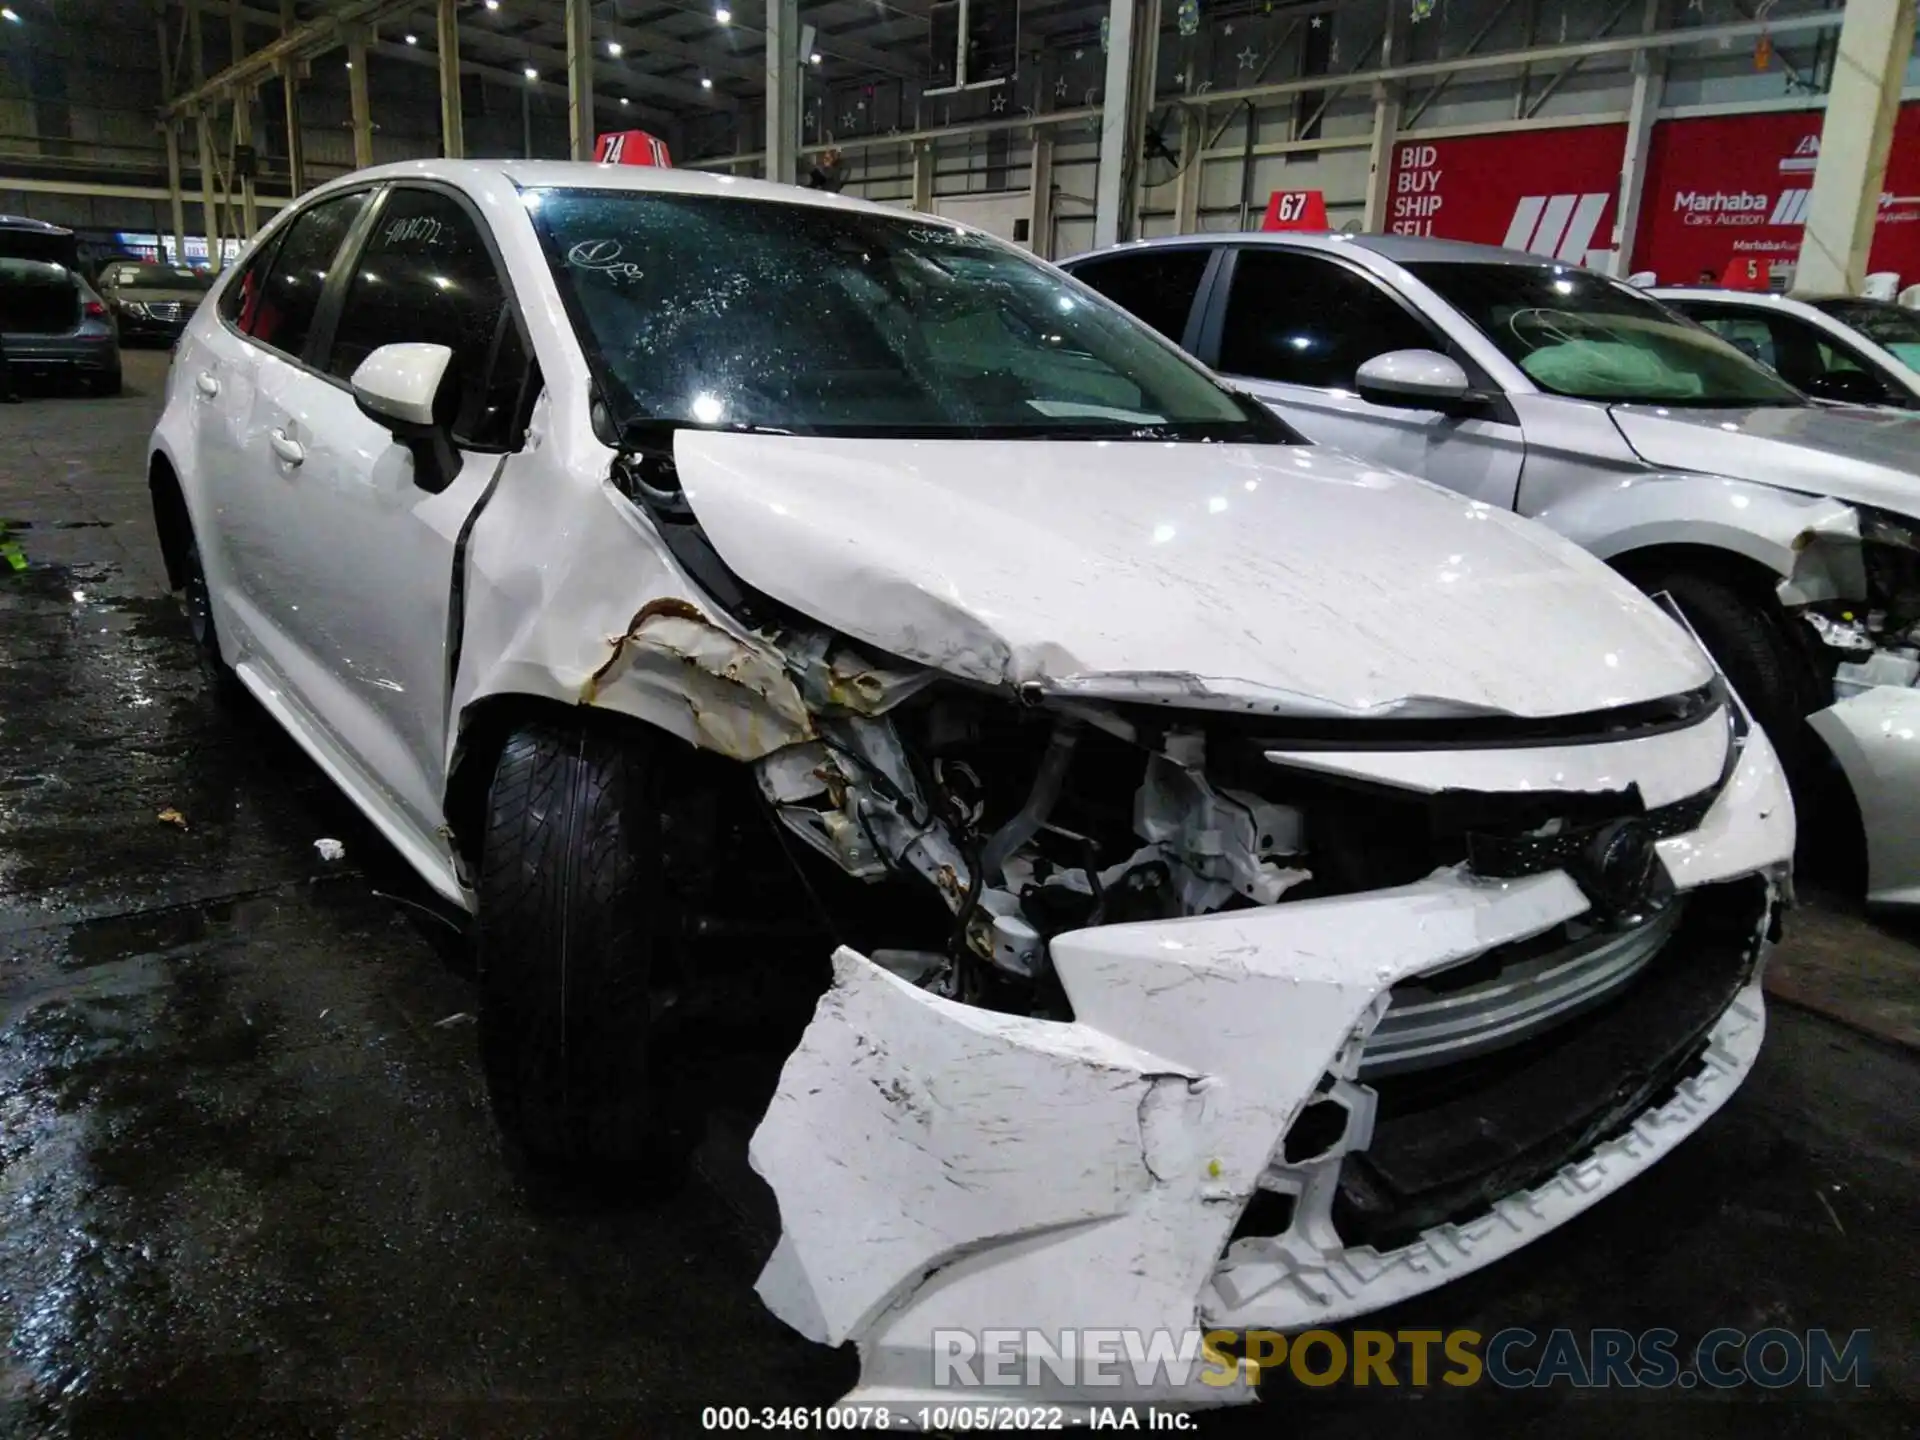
1279, 578
1863, 456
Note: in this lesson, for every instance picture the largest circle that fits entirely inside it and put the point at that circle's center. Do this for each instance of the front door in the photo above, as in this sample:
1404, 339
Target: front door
381, 542
1296, 328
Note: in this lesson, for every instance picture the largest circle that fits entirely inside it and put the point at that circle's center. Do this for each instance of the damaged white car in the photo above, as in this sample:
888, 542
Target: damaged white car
1240, 887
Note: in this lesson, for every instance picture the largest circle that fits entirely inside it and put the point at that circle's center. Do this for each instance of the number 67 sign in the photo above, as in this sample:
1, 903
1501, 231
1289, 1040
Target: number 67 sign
1296, 210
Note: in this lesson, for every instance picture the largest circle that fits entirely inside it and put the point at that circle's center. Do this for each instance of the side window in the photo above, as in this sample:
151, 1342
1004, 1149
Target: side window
279, 310
426, 276
240, 296
1746, 333
1157, 286
1303, 320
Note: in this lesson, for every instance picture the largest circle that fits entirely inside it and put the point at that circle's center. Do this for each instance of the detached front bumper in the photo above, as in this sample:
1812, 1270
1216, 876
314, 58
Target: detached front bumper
944, 1170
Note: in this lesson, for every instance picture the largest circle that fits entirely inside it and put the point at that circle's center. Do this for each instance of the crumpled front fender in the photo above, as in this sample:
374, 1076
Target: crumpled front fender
1812, 543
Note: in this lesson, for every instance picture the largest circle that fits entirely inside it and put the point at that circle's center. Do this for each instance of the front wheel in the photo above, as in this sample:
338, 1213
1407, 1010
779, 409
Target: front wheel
569, 898
1748, 636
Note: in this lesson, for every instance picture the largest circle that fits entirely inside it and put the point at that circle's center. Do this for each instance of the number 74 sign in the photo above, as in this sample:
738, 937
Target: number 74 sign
1296, 210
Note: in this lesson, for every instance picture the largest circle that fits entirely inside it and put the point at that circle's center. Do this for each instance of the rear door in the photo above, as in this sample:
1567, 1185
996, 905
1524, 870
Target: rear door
374, 625
244, 372
1293, 327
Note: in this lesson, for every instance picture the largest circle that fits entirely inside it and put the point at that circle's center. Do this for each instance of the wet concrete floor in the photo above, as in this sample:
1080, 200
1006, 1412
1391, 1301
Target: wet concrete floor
249, 1185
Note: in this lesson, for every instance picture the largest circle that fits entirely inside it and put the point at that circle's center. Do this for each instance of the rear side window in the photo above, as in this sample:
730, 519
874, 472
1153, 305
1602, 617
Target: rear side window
240, 300
280, 311
1157, 286
1303, 320
426, 276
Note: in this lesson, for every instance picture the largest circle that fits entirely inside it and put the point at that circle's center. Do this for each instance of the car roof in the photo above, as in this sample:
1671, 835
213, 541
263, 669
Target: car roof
580, 174
1400, 249
1718, 295
37, 227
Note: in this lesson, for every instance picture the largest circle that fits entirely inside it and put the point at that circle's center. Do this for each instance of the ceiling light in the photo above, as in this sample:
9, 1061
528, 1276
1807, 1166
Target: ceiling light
532, 74
9, 13
614, 47
493, 4
723, 15
814, 58
349, 64
706, 82
413, 39
625, 101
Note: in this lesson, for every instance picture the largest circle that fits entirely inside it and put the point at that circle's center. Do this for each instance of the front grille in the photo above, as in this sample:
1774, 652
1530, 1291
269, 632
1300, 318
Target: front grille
164, 310
1509, 995
1449, 1141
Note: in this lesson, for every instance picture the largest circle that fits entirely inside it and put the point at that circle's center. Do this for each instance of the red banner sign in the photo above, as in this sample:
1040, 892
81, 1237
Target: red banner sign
1553, 192
1296, 210
1720, 191
1733, 188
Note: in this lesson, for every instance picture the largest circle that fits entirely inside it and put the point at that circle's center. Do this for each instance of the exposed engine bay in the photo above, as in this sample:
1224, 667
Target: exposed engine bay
1874, 639
1031, 820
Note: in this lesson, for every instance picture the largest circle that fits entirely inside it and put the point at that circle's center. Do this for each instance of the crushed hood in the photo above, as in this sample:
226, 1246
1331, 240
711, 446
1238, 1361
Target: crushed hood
1279, 578
1863, 456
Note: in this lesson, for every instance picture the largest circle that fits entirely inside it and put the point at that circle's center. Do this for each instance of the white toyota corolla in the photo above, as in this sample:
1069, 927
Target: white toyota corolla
1242, 887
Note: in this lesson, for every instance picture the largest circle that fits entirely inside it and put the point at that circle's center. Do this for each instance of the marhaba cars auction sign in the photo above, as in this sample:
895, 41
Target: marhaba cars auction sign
1718, 189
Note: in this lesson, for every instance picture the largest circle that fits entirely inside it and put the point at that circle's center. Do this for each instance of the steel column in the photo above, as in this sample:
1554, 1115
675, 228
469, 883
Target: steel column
923, 178
1040, 200
290, 76
1387, 101
783, 61
176, 201
242, 122
203, 125
1876, 41
1643, 113
1113, 178
580, 121
357, 97
453, 140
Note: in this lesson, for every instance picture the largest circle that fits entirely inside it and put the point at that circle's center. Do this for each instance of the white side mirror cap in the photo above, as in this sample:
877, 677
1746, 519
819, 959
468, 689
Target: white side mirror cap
400, 382
1411, 377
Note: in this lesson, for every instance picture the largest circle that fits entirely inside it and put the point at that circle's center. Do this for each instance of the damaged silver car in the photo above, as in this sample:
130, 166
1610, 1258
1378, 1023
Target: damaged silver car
1231, 885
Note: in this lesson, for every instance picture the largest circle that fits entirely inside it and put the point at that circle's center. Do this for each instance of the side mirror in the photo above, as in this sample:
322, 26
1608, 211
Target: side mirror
403, 388
1416, 380
1847, 387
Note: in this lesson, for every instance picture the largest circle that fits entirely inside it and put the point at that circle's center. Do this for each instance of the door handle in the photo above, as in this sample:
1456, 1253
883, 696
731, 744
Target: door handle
206, 384
287, 449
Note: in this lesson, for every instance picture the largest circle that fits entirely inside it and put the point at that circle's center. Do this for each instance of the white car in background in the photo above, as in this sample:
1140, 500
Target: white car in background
1842, 348
1787, 531
1241, 885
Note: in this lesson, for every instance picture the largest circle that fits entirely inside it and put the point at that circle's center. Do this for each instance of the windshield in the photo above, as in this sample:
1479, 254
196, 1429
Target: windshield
1580, 334
1889, 326
158, 277
715, 311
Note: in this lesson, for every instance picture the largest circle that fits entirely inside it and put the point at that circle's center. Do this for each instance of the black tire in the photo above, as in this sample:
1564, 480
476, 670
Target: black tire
1748, 634
197, 605
569, 897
